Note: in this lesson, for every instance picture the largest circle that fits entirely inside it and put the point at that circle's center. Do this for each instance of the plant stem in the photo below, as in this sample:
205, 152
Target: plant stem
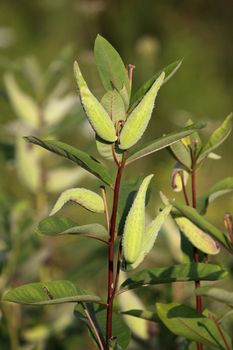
229, 226
195, 250
228, 347
92, 325
184, 187
103, 193
110, 298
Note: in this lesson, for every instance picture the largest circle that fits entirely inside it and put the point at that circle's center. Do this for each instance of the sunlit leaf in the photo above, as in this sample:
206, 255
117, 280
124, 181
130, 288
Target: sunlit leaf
169, 71
110, 66
57, 108
188, 323
217, 138
219, 189
144, 314
59, 179
59, 225
176, 273
162, 142
46, 293
77, 156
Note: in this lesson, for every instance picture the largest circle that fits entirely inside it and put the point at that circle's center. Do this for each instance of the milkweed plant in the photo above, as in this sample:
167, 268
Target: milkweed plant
119, 121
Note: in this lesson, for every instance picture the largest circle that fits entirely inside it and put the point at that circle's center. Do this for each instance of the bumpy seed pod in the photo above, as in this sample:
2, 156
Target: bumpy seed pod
86, 198
96, 113
138, 120
197, 237
150, 236
135, 224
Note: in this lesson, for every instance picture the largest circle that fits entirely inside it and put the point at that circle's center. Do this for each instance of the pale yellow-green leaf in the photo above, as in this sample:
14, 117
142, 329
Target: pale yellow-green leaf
24, 106
57, 108
62, 178
28, 165
127, 301
214, 156
139, 118
171, 234
134, 227
86, 198
150, 236
96, 113
197, 237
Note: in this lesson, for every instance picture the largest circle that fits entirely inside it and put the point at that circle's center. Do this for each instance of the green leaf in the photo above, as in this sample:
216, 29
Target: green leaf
58, 225
114, 105
162, 142
144, 314
217, 138
181, 153
105, 149
204, 225
176, 273
169, 71
219, 189
110, 66
47, 293
221, 295
79, 157
186, 322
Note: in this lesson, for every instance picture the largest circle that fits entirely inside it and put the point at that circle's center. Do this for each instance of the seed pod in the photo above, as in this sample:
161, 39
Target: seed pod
135, 224
138, 120
197, 237
86, 198
150, 236
96, 113
176, 177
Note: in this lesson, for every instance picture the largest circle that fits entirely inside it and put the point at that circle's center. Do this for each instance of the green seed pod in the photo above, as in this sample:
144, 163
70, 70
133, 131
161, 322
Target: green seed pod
135, 224
150, 236
86, 198
138, 120
96, 113
197, 237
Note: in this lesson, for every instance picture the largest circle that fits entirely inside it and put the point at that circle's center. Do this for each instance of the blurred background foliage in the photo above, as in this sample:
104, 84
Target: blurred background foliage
39, 40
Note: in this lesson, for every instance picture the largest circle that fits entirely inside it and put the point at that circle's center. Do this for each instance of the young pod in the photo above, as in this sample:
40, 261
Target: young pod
96, 113
150, 236
86, 198
197, 237
135, 224
139, 118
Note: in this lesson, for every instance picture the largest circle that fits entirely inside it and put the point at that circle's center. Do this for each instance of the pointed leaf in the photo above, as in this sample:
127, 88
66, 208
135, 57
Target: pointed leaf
219, 189
162, 142
204, 225
217, 138
218, 294
79, 157
58, 225
186, 322
176, 273
59, 179
114, 105
169, 71
181, 153
86, 198
197, 237
110, 66
48, 293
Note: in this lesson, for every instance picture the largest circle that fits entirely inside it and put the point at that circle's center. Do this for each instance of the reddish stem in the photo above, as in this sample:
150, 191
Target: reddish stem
184, 187
130, 73
110, 298
228, 347
229, 226
195, 250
